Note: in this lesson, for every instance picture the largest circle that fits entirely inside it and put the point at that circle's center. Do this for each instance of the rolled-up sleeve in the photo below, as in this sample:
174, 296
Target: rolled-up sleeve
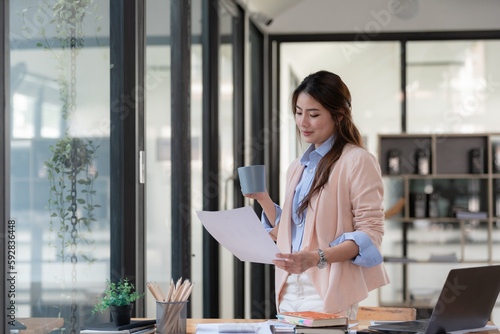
368, 255
265, 221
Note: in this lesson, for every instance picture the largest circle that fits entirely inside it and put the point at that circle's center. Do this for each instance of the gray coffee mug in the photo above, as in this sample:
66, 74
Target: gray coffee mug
252, 179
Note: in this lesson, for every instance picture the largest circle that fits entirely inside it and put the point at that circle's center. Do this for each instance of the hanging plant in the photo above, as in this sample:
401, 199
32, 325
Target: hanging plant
71, 170
71, 165
71, 211
66, 18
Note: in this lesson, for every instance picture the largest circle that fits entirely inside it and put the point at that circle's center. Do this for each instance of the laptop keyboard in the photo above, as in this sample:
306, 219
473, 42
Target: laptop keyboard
416, 326
404, 326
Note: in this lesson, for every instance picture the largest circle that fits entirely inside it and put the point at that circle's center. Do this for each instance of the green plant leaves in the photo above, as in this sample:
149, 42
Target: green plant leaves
117, 294
72, 161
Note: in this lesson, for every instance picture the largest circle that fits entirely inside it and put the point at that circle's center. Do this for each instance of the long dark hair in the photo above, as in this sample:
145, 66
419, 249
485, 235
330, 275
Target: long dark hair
331, 92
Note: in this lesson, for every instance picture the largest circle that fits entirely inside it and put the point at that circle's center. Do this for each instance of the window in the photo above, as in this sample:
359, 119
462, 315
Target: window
158, 142
60, 107
452, 86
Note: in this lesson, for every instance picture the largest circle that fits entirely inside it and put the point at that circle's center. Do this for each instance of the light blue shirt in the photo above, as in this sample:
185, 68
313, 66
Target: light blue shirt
368, 256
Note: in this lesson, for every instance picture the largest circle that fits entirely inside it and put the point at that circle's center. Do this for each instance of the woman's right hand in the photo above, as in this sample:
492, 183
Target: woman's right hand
257, 196
266, 203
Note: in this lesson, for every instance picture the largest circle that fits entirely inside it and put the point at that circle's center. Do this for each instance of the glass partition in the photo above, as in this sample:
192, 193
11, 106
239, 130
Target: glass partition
453, 86
226, 110
158, 142
196, 160
59, 80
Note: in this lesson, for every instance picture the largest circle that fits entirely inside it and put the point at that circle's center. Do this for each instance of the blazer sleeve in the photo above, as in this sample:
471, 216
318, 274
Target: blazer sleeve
366, 196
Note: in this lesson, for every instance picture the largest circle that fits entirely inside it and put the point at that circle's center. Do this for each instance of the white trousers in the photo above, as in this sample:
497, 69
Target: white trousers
300, 295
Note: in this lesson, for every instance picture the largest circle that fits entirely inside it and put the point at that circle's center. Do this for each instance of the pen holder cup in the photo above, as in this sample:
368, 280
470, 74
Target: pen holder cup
171, 317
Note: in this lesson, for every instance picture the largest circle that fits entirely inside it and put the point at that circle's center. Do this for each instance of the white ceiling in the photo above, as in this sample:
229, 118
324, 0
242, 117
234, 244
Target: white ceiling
271, 8
374, 16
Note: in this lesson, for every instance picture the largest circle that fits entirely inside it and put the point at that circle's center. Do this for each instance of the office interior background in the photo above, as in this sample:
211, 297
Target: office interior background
168, 98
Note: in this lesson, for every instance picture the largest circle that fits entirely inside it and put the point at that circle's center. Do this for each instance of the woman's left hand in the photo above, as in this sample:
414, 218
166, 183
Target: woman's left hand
298, 262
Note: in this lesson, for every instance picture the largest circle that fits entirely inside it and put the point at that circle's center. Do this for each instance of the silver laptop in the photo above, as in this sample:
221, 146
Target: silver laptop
466, 301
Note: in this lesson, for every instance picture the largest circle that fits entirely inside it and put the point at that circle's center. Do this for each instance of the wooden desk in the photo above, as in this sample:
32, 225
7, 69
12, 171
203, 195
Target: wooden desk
40, 325
191, 323
362, 324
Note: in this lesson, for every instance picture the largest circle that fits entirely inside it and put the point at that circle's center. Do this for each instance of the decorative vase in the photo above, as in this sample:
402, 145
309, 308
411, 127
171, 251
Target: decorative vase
121, 314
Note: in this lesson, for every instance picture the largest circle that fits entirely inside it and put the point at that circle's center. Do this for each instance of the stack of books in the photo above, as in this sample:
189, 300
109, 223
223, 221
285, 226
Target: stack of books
135, 327
315, 322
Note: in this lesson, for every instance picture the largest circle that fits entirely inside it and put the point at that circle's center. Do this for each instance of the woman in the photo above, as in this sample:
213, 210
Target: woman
330, 229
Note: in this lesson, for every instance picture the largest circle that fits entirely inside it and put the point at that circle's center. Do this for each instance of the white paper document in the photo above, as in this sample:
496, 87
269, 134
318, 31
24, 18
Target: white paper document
240, 232
242, 328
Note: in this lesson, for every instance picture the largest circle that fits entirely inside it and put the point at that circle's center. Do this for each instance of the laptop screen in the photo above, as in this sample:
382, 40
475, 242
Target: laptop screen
465, 302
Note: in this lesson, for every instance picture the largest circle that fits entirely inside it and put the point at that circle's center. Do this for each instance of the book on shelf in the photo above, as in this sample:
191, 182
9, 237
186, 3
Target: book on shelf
451, 257
312, 319
470, 215
341, 329
135, 327
398, 259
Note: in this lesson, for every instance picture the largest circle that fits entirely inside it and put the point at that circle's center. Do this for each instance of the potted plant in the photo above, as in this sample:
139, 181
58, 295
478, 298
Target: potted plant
118, 297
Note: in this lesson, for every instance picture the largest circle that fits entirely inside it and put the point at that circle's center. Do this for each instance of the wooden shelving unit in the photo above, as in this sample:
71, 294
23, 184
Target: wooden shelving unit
433, 193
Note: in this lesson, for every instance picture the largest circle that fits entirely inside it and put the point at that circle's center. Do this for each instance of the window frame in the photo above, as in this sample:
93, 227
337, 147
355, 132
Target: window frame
4, 157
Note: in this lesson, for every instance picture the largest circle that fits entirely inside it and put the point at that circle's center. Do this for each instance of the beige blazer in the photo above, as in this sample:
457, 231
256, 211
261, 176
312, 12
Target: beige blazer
350, 201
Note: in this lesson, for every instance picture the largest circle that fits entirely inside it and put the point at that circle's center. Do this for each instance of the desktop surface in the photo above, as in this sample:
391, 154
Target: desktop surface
361, 324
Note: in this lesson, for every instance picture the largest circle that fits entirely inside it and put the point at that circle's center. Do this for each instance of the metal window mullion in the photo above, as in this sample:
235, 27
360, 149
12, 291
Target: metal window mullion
259, 293
403, 87
211, 192
123, 153
273, 103
4, 156
238, 148
141, 212
181, 133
